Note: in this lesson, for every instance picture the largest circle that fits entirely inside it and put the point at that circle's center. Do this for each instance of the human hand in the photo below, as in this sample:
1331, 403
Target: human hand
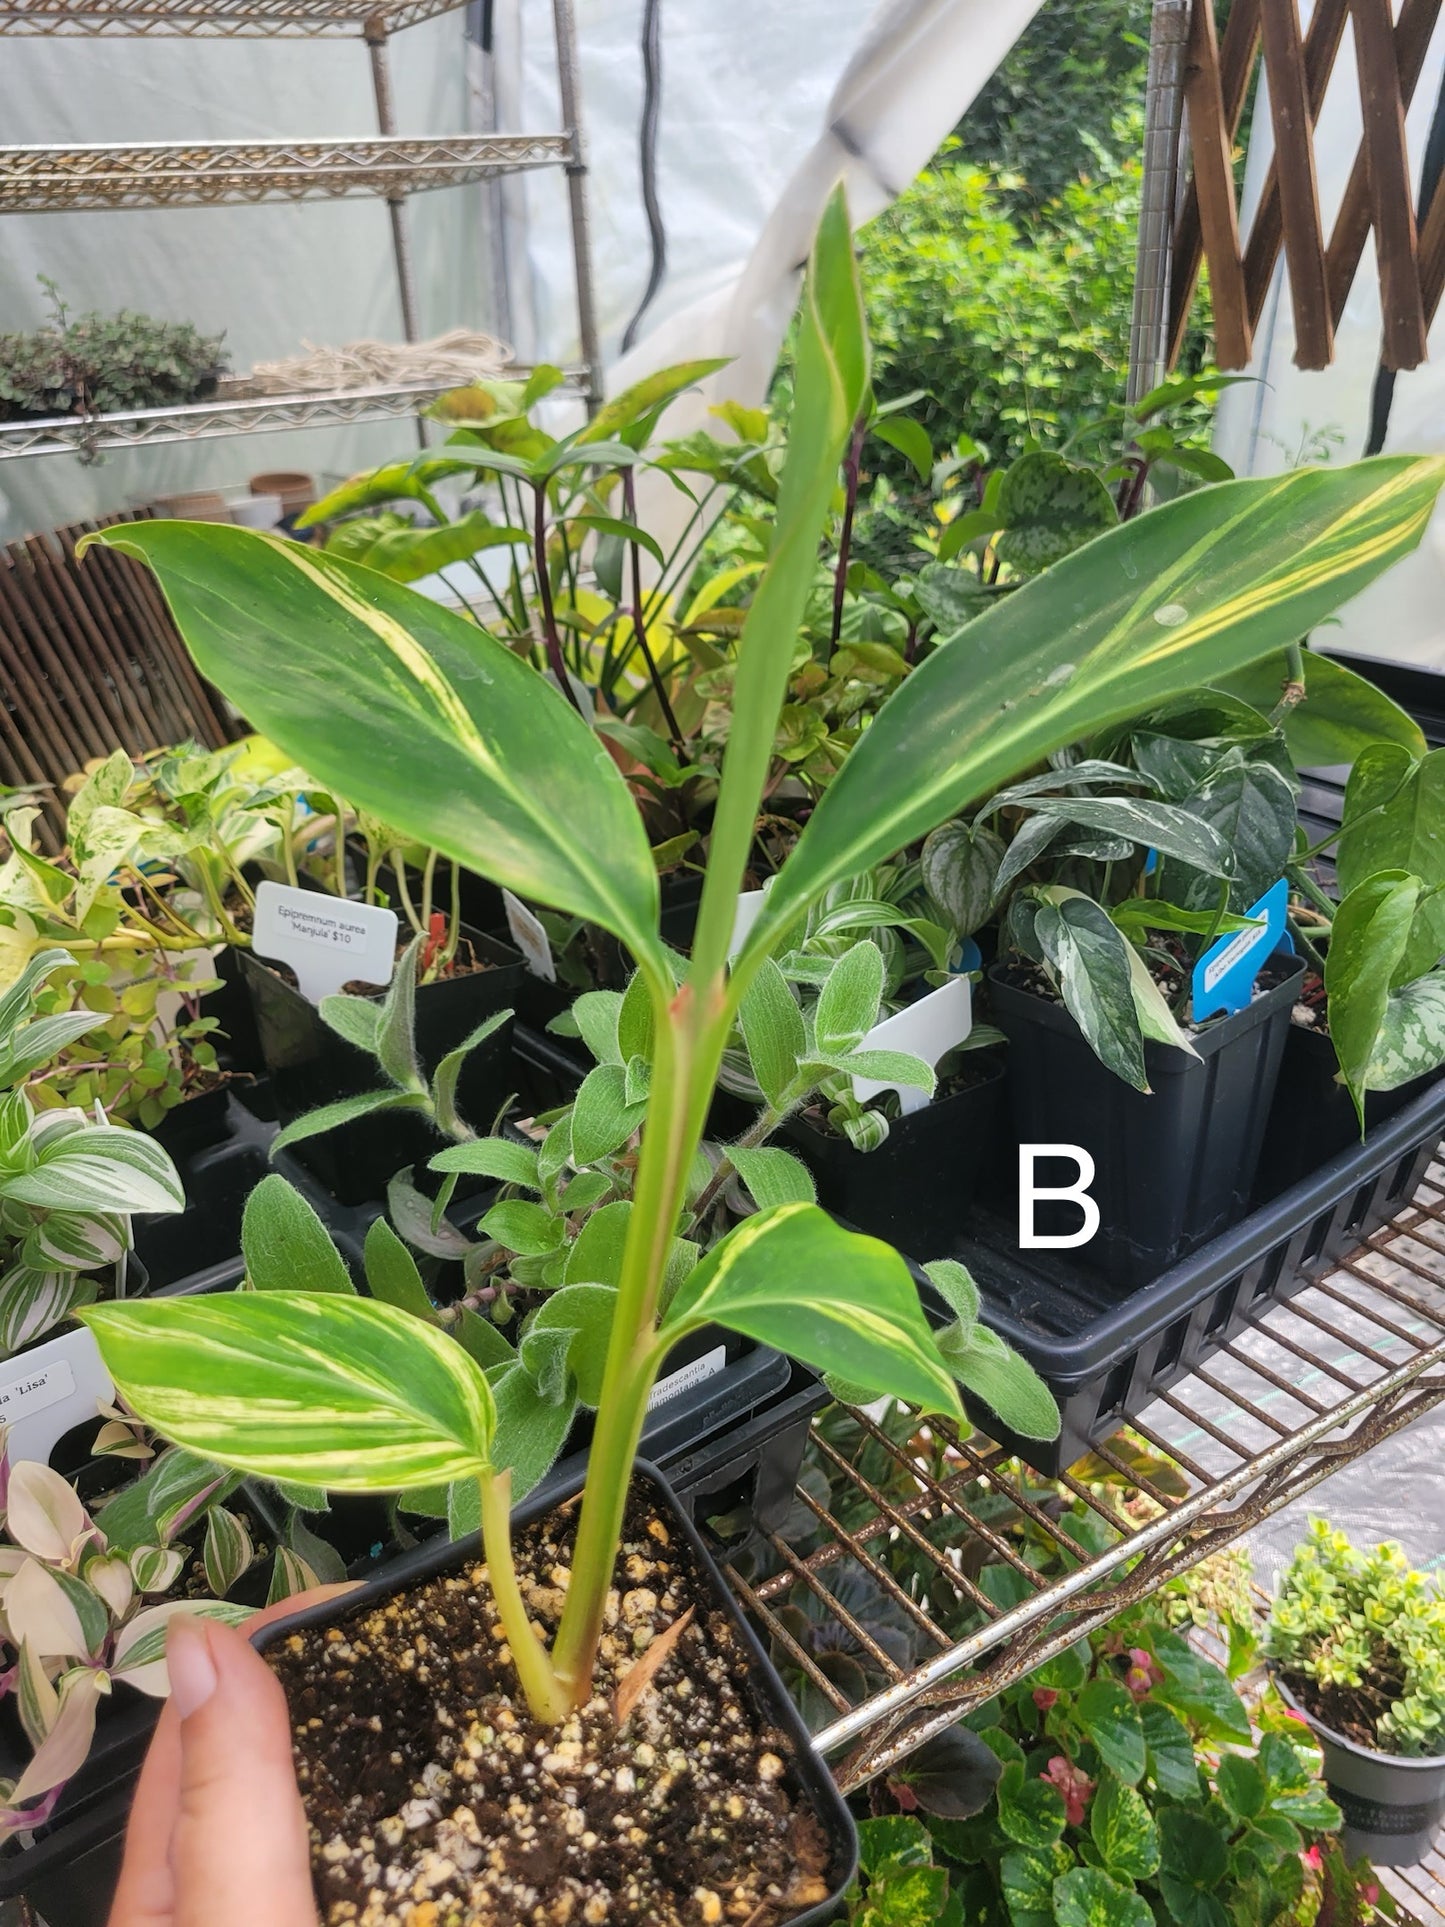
217, 1836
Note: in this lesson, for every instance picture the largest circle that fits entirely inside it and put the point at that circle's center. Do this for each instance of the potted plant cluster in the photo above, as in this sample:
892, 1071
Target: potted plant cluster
376, 691
1356, 1642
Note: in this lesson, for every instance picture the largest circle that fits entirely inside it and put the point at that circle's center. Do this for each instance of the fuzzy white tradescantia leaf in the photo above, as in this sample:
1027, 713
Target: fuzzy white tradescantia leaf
327, 1390
112, 1578
65, 1747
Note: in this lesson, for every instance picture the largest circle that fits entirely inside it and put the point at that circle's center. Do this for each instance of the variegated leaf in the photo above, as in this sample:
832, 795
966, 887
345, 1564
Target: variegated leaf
65, 1747
157, 1568
340, 1392
140, 1650
227, 1552
99, 1168
290, 1575
31, 1302
841, 1302
44, 1514
70, 1241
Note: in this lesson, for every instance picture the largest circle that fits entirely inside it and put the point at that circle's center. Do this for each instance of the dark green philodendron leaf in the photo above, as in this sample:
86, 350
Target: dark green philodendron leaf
1341, 714
1191, 591
311, 1387
910, 438
1087, 1897
1108, 1715
1047, 508
1394, 819
1252, 808
1096, 981
1170, 830
1124, 1830
414, 714
842, 1303
285, 1244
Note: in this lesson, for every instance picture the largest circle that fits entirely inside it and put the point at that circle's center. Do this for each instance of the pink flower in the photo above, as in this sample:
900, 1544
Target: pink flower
1144, 1673
1370, 1892
1313, 1859
1044, 1697
1291, 1713
1074, 1784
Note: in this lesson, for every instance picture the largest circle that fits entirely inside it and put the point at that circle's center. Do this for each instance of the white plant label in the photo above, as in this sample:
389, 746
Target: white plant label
927, 1029
328, 941
696, 1372
750, 908
530, 938
44, 1392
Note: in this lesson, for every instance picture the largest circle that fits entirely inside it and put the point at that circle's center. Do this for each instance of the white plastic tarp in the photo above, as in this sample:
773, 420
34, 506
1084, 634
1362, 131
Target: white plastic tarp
1289, 414
755, 125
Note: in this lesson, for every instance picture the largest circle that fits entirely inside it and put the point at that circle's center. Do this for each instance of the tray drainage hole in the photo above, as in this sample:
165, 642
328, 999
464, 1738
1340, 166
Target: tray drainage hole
1319, 1231
1172, 1349
1360, 1206
1404, 1171
1222, 1309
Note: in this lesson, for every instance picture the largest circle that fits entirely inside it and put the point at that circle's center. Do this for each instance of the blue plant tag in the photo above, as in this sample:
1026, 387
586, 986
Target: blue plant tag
966, 959
1224, 976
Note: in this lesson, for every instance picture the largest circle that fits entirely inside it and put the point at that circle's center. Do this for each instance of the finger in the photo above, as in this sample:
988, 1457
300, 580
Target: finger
145, 1892
239, 1850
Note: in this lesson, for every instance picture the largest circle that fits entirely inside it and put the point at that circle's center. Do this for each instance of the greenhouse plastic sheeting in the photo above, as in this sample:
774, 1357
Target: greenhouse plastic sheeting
1288, 414
745, 153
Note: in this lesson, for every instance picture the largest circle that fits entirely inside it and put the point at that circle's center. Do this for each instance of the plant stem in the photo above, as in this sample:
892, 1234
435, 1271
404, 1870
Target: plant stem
639, 622
1307, 887
852, 471
398, 864
757, 1133
428, 887
454, 922
288, 849
553, 642
545, 1693
1293, 692
690, 1038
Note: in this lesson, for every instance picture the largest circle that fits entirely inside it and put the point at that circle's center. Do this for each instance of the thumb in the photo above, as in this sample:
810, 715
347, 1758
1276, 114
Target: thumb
239, 1851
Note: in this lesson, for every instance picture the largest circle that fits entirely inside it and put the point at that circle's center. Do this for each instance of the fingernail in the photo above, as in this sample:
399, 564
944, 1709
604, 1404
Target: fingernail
189, 1662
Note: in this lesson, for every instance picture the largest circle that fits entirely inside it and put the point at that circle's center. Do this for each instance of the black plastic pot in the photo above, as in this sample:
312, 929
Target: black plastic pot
916, 1189
769, 1694
1392, 1806
197, 1125
310, 1065
752, 1466
1313, 1116
238, 1046
1175, 1166
206, 1236
1105, 1354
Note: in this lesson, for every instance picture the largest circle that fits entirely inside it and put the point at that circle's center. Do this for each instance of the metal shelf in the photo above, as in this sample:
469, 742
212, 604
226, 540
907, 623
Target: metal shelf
901, 1526
216, 19
205, 421
37, 180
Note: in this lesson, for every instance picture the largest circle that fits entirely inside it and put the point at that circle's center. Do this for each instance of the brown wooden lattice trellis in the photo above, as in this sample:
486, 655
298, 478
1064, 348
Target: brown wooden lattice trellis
1389, 55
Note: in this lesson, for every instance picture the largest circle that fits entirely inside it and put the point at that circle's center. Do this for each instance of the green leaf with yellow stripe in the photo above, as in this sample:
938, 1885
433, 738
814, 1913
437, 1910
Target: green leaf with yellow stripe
1186, 595
842, 1303
306, 1387
413, 714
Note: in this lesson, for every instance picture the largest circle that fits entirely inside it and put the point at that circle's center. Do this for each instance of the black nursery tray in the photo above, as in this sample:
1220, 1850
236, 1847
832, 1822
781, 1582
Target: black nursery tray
1105, 1352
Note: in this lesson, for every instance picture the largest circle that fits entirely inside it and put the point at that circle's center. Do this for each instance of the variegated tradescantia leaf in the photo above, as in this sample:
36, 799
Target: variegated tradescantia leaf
99, 1167
343, 668
228, 1550
843, 1303
32, 1301
317, 1388
140, 1651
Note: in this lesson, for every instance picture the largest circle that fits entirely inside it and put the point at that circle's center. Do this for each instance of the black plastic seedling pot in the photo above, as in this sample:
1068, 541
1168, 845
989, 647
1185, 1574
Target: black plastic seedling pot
916, 1188
769, 1695
1313, 1116
1392, 1805
310, 1065
1174, 1166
